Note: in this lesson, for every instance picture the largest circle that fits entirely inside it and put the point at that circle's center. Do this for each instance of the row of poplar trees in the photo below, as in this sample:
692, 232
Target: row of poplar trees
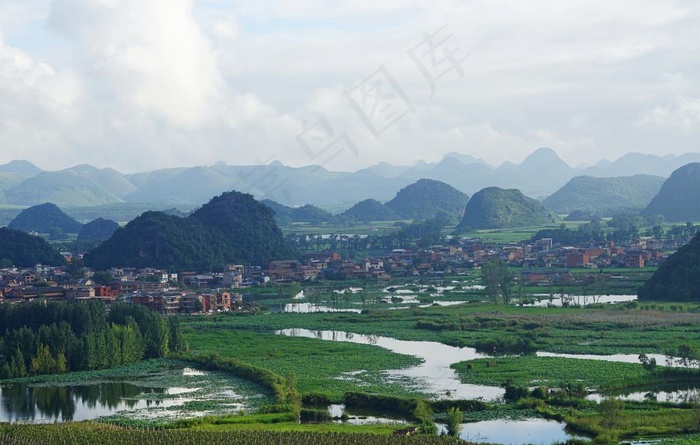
51, 338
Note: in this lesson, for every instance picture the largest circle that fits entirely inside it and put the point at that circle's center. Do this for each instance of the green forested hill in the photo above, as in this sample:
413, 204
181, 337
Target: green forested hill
497, 208
597, 194
426, 198
678, 278
44, 218
99, 229
24, 250
231, 228
370, 210
678, 199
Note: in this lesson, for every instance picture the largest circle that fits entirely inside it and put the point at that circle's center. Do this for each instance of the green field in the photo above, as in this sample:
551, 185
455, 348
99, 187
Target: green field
319, 366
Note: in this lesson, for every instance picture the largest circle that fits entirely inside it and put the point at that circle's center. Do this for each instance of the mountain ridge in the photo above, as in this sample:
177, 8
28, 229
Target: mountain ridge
539, 175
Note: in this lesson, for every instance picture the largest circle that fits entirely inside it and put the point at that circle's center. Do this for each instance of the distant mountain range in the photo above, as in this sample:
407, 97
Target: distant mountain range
538, 176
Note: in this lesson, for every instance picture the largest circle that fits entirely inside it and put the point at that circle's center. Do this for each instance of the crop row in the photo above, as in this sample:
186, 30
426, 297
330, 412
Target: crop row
82, 435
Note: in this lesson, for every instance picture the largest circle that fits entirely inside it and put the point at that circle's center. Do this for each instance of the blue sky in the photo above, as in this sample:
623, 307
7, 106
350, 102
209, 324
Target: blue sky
143, 84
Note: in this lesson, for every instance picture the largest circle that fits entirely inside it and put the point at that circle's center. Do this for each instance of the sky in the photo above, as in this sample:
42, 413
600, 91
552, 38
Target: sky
138, 85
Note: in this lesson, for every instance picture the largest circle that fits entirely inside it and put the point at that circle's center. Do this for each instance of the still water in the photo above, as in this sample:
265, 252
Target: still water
25, 403
515, 432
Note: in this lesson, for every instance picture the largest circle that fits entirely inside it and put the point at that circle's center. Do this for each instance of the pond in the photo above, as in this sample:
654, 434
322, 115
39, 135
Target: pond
673, 393
307, 308
579, 300
340, 414
23, 403
166, 394
515, 432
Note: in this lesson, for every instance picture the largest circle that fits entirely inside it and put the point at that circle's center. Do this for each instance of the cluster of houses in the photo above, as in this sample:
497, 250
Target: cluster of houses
158, 290
192, 292
458, 257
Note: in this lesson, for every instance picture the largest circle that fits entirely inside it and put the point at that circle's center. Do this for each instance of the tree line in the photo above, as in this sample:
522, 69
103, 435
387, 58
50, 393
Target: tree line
64, 337
404, 236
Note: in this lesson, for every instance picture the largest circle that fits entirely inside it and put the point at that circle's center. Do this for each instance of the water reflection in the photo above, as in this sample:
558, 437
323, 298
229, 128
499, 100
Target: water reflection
579, 300
514, 432
340, 414
679, 393
22, 402
307, 308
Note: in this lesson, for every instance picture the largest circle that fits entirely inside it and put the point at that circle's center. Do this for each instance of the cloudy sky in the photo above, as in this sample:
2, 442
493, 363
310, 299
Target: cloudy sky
144, 84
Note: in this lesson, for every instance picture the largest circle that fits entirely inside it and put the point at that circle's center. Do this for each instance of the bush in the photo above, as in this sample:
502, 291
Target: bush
314, 415
515, 393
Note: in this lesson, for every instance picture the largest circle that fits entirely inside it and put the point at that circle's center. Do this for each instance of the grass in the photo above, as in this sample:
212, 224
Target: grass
373, 228
638, 420
275, 422
553, 371
633, 329
320, 366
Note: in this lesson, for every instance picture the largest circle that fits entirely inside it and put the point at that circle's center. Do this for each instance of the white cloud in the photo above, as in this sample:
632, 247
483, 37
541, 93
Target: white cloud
143, 84
227, 28
684, 113
150, 53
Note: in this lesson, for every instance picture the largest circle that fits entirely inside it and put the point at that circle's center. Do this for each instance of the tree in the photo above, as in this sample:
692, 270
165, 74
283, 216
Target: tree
102, 278
610, 410
498, 280
489, 277
648, 364
454, 422
686, 355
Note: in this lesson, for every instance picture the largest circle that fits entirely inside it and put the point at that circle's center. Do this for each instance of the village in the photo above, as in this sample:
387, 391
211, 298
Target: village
540, 263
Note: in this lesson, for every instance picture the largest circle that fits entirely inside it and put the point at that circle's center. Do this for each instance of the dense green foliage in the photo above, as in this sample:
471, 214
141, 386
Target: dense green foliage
247, 228
44, 218
498, 279
311, 214
155, 239
678, 199
371, 210
597, 194
678, 278
60, 337
24, 250
584, 233
99, 229
426, 198
232, 227
497, 208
